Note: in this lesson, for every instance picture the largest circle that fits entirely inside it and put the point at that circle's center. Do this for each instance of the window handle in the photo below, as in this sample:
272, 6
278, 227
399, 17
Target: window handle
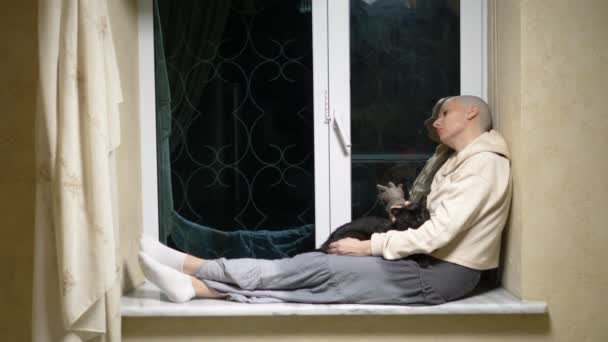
342, 137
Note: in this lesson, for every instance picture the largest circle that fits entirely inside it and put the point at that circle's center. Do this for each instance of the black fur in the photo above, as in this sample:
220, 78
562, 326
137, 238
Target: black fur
412, 216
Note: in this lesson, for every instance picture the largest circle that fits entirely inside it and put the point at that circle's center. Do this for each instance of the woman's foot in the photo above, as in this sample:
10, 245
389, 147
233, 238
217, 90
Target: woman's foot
163, 254
202, 291
176, 285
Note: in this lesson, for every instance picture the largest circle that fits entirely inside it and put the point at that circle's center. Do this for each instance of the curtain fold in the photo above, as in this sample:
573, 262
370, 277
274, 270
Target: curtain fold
190, 29
76, 294
163, 131
195, 27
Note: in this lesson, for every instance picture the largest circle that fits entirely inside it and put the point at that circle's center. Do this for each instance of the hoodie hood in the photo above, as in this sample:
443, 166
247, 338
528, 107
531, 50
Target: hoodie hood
491, 141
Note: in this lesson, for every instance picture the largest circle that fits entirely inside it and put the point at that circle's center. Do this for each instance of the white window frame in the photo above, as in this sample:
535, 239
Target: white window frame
474, 48
147, 119
331, 81
473, 81
322, 155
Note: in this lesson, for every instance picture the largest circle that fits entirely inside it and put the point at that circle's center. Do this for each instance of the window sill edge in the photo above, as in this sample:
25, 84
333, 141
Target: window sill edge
147, 301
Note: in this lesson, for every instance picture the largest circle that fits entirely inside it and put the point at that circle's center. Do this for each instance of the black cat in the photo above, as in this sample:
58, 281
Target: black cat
412, 216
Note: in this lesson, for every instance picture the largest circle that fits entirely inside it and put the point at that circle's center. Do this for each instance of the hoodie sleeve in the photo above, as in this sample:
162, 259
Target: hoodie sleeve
461, 204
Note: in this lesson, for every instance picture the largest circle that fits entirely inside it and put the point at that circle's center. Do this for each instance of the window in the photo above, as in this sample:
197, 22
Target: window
285, 114
336, 191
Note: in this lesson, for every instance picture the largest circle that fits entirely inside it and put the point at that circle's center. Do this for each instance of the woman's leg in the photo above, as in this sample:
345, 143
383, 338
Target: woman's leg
179, 287
163, 254
303, 270
201, 290
167, 256
306, 270
192, 264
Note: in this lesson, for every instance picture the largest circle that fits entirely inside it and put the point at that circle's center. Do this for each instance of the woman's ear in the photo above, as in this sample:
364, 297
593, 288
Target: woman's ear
473, 112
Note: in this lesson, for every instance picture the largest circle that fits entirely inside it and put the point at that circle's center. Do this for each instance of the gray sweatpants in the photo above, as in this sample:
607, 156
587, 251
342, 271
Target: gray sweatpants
320, 278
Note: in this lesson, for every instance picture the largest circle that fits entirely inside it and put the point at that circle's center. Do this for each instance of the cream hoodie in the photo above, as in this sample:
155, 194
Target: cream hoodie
468, 204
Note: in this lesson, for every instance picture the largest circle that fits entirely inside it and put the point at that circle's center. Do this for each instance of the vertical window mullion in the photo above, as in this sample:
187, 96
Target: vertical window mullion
147, 119
321, 128
473, 48
339, 107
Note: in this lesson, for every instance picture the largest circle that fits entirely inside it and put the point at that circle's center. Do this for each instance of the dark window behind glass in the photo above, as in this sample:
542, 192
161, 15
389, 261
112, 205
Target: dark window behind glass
241, 140
404, 56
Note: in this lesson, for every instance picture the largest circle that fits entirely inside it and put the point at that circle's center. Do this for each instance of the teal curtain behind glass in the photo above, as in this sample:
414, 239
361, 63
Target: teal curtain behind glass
184, 19
163, 132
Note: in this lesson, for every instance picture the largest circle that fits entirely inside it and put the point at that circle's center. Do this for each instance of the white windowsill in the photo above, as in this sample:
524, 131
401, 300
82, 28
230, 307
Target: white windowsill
147, 301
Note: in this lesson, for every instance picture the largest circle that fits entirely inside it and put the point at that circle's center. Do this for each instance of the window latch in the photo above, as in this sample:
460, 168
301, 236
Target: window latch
340, 131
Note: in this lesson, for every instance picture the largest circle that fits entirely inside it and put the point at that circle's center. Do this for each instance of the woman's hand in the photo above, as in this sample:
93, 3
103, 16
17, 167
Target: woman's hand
350, 246
399, 206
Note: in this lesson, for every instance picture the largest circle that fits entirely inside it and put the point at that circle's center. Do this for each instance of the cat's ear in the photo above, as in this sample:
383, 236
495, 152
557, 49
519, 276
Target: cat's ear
395, 211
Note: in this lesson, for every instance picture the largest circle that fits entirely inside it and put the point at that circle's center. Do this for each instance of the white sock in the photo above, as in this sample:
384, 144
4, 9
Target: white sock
163, 254
176, 285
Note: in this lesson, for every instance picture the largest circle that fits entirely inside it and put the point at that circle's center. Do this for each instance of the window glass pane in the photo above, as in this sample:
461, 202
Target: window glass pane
404, 56
241, 127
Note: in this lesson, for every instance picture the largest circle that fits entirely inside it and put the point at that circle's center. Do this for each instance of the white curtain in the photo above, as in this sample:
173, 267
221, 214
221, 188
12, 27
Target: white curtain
76, 260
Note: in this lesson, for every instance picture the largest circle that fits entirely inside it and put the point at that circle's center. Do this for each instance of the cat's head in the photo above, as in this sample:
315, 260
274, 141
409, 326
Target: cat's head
412, 216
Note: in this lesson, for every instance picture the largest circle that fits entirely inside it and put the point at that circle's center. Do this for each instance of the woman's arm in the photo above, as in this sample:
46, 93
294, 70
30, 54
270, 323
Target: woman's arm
350, 246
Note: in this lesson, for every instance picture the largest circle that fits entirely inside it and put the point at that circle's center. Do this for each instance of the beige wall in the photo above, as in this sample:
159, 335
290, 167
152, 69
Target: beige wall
550, 72
551, 64
505, 99
18, 71
564, 122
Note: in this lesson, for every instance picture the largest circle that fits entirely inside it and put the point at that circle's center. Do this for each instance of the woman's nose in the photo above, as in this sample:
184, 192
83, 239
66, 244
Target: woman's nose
436, 123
